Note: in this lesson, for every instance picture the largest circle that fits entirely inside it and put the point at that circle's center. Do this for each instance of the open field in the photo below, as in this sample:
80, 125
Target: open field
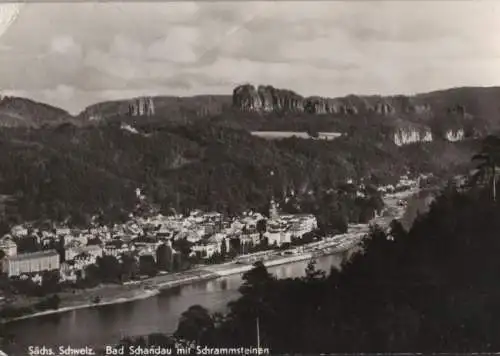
278, 135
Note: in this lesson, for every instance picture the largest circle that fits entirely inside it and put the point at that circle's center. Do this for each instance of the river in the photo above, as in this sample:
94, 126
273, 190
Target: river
103, 325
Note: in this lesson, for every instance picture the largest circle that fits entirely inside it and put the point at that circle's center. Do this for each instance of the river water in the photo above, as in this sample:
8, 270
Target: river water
103, 325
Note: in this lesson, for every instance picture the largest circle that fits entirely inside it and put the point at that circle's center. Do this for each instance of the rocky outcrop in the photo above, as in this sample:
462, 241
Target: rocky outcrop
142, 107
455, 135
383, 109
412, 134
266, 99
457, 110
446, 115
421, 109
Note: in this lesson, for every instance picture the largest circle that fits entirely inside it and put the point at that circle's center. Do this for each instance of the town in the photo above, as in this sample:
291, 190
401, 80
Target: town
153, 244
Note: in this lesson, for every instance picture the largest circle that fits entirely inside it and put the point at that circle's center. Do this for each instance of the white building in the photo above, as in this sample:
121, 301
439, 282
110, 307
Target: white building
115, 248
62, 231
30, 263
207, 249
19, 231
276, 233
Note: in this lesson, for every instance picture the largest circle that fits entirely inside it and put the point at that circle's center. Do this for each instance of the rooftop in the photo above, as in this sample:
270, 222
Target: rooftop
38, 254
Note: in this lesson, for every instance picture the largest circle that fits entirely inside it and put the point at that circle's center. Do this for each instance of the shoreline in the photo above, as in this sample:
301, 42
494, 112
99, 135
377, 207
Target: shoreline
158, 284
145, 294
82, 306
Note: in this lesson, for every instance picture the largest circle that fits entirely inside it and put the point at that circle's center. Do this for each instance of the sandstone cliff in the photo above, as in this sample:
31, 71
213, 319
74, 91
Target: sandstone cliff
267, 99
166, 107
404, 136
451, 115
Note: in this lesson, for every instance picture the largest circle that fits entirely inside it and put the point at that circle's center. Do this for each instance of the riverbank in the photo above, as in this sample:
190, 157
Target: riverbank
145, 289
116, 294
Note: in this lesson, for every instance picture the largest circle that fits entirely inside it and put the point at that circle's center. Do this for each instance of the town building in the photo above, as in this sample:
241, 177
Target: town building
276, 233
30, 263
19, 231
117, 248
8, 246
93, 250
207, 249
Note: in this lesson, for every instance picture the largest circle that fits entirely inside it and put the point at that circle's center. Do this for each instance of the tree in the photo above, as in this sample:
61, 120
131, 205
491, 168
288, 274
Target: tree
223, 248
194, 323
312, 132
261, 226
130, 267
4, 227
312, 273
235, 246
397, 229
109, 268
50, 282
184, 246
256, 278
158, 339
489, 158
147, 265
165, 257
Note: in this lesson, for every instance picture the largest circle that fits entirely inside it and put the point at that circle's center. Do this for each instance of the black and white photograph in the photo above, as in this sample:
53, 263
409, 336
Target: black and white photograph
249, 177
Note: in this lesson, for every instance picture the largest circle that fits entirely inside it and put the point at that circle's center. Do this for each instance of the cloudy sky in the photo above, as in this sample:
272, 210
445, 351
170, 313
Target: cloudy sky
73, 55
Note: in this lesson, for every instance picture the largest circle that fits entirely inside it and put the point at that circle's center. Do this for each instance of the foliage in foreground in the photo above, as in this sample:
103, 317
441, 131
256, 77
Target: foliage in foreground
432, 289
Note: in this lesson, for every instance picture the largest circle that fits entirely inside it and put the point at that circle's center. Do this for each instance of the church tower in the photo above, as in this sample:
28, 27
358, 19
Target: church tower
273, 210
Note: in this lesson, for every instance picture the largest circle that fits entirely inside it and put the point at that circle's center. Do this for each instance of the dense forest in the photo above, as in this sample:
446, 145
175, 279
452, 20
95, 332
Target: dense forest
69, 173
431, 289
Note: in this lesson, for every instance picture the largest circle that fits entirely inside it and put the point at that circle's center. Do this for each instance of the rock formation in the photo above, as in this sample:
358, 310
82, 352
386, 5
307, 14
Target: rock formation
435, 117
455, 135
383, 109
142, 107
266, 99
408, 133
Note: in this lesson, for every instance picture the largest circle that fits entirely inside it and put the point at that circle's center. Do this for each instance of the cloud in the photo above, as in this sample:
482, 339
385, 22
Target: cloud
61, 92
8, 15
178, 46
95, 51
65, 45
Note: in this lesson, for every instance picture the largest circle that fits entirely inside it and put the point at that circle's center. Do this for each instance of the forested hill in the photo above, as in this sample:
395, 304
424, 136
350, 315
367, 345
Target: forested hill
69, 171
197, 152
452, 114
474, 109
267, 108
22, 112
